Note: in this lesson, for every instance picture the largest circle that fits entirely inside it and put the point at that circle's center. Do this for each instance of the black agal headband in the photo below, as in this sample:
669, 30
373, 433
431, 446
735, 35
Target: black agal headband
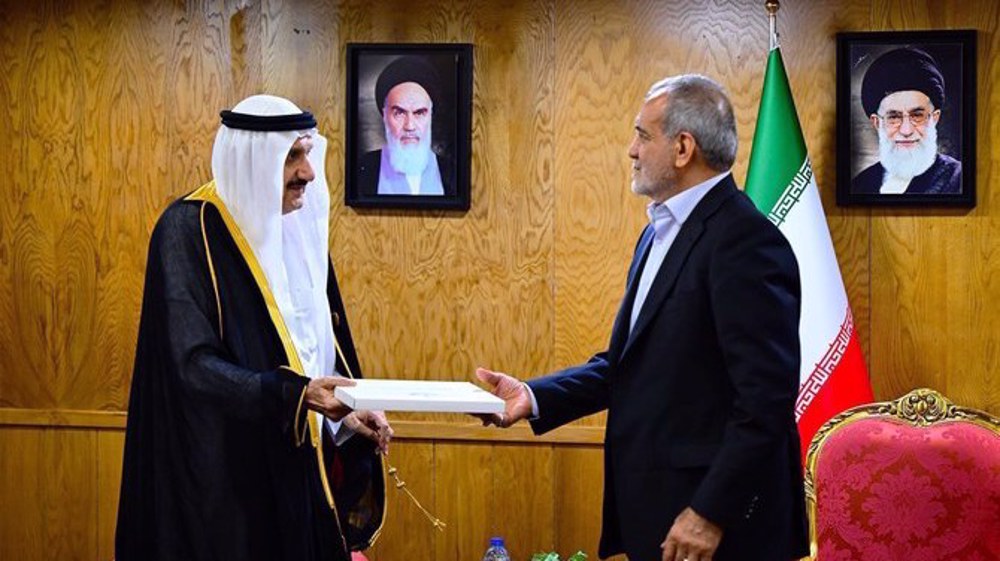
268, 123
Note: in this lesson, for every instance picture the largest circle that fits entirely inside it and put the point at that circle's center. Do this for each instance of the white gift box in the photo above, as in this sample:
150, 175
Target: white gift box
419, 395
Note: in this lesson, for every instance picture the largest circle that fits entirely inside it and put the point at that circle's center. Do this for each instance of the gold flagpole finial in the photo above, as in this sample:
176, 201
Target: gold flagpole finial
772, 19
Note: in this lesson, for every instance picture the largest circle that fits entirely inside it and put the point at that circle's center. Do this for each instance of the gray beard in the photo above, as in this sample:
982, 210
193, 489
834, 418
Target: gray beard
408, 159
906, 163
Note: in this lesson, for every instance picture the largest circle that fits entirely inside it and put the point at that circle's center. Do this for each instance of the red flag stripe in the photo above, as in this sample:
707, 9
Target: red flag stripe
846, 386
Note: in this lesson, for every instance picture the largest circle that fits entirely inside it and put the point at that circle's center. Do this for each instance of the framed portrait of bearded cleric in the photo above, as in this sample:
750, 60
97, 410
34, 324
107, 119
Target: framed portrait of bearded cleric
906, 118
409, 126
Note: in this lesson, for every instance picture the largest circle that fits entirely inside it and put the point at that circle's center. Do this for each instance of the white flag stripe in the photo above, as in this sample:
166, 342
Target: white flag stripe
823, 296
813, 382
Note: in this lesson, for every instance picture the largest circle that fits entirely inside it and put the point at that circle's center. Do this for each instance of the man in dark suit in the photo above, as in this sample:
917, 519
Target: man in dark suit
701, 373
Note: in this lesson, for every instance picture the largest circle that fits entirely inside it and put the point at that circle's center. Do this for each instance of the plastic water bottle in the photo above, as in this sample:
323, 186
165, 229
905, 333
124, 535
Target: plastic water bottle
496, 551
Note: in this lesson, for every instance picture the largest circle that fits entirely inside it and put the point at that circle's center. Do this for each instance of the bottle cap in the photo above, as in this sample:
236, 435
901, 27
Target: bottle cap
496, 542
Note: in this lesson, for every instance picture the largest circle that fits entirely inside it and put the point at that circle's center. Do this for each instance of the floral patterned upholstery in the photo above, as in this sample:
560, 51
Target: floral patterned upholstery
916, 479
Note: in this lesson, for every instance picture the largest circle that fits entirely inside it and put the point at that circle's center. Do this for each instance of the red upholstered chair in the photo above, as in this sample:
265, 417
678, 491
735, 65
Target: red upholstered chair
915, 479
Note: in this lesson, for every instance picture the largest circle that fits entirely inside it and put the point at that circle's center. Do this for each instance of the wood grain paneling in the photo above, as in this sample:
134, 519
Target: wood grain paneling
524, 490
934, 281
109, 110
597, 218
110, 445
406, 528
579, 478
466, 498
60, 494
108, 127
433, 295
411, 430
49, 485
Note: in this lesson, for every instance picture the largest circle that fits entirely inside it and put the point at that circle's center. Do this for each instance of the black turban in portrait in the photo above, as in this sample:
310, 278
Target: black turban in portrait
406, 69
901, 70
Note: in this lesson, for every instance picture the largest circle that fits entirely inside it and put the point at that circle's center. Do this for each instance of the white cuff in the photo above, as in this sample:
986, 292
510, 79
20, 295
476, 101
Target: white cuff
534, 402
341, 433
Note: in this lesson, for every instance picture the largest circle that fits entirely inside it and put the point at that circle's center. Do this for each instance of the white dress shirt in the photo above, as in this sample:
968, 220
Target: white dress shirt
667, 218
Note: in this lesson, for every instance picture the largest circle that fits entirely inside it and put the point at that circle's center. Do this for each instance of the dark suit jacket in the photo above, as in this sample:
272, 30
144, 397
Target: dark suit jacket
944, 177
700, 395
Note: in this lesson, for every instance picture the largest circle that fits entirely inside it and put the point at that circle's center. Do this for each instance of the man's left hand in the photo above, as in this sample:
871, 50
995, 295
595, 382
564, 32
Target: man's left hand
691, 538
372, 425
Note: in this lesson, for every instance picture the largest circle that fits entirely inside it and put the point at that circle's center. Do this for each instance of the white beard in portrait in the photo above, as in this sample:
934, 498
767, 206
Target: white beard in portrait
408, 158
907, 163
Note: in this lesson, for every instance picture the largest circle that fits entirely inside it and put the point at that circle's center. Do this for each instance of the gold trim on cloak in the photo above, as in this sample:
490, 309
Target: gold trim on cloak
208, 194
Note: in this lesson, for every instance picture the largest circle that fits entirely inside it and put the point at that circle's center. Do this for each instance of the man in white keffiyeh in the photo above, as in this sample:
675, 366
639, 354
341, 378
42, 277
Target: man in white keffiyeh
236, 445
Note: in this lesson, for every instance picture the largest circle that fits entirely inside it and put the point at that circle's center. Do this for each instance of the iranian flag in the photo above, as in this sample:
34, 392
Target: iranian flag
781, 183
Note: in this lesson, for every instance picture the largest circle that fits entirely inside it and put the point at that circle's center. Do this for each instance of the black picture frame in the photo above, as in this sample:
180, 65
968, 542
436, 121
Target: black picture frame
444, 73
860, 140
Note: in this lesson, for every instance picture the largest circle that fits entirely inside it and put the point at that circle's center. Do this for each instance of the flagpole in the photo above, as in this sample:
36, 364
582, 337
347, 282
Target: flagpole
772, 17
781, 183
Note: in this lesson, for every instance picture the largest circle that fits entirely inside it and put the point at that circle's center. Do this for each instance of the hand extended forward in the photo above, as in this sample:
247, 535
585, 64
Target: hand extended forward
517, 401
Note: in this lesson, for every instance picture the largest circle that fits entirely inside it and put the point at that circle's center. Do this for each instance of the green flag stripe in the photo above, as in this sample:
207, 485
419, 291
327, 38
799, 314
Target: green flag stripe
778, 149
792, 194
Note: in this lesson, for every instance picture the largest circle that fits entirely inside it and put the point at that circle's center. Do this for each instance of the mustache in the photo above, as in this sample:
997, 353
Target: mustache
296, 183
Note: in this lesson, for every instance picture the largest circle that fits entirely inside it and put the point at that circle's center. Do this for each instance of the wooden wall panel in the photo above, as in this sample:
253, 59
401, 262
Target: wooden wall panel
110, 446
465, 497
579, 479
110, 127
524, 489
597, 217
123, 153
48, 482
406, 527
107, 128
935, 287
433, 295
45, 148
60, 494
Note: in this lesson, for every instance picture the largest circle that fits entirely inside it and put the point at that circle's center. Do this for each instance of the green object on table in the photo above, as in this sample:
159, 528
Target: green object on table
553, 556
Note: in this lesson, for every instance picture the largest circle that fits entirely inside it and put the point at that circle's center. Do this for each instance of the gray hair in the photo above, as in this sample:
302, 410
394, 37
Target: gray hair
698, 105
